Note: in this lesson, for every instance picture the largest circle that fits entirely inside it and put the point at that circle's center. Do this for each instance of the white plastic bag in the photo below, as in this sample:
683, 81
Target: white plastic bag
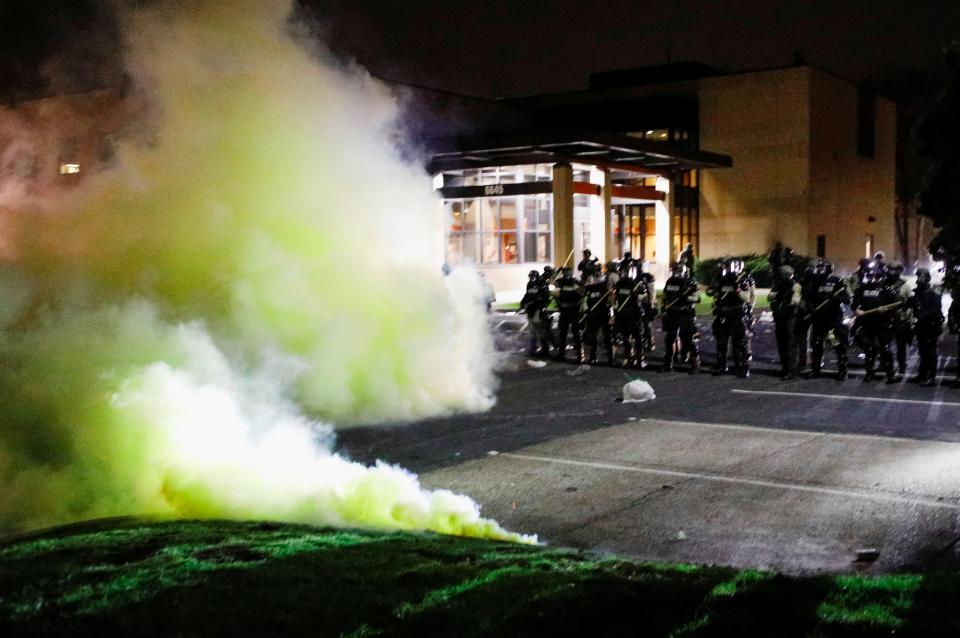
638, 391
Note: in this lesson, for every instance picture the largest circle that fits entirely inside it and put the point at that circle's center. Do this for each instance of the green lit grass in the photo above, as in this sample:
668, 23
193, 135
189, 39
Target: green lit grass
155, 578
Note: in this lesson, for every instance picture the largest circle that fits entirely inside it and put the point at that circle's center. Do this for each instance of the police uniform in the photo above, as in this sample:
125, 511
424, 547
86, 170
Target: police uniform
802, 324
784, 300
627, 319
678, 318
902, 316
734, 295
569, 297
597, 315
926, 306
824, 300
648, 305
534, 304
586, 264
951, 282
873, 330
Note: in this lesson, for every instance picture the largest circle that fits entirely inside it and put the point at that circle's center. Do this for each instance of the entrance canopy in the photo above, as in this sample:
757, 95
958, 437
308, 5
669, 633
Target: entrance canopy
609, 150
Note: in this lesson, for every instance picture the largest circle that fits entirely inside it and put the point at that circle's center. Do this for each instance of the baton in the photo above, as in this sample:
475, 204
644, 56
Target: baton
825, 302
890, 306
628, 298
594, 307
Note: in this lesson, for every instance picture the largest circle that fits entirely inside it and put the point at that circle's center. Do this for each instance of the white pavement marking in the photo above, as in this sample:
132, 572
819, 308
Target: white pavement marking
765, 431
719, 478
847, 397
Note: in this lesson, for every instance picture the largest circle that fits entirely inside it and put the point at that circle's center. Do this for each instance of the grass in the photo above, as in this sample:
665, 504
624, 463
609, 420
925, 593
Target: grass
192, 578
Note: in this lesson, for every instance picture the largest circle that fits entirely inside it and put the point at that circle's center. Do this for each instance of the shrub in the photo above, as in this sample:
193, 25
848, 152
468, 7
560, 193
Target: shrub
705, 270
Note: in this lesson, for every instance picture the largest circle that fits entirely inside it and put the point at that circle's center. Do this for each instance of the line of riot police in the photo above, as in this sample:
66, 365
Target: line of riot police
613, 308
887, 315
605, 306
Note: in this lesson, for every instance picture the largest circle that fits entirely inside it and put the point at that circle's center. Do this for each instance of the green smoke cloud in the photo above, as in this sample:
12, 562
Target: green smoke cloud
175, 332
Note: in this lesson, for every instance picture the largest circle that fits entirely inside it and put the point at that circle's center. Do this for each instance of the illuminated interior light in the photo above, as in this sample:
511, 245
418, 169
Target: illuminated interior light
69, 169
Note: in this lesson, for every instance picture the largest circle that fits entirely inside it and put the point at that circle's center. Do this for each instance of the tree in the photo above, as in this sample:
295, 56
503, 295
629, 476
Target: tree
937, 137
905, 86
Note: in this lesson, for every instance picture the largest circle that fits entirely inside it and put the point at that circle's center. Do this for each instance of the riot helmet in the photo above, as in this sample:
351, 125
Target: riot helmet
923, 277
786, 271
533, 274
823, 268
870, 276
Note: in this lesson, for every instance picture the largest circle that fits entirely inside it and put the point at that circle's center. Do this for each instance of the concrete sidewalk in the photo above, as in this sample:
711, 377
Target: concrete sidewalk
728, 494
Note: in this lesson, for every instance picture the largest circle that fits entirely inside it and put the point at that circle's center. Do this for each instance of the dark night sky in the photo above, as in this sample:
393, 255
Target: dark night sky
516, 47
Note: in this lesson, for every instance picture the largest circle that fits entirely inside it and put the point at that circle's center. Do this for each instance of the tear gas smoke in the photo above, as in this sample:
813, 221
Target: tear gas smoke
176, 329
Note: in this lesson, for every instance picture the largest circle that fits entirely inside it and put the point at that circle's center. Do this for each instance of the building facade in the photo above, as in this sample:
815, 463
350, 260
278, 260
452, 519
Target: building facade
792, 154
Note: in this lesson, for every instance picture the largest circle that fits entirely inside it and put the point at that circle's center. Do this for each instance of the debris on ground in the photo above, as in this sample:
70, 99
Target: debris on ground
867, 555
638, 391
680, 536
580, 369
534, 363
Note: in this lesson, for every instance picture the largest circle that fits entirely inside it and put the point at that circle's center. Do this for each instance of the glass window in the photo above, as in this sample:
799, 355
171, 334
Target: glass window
500, 230
509, 250
538, 235
508, 214
650, 235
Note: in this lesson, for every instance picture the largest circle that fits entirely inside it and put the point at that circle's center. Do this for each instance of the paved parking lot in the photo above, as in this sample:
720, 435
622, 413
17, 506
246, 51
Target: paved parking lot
797, 475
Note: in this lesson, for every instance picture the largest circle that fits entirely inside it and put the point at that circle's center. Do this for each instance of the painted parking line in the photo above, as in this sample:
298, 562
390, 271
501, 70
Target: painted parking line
846, 397
740, 480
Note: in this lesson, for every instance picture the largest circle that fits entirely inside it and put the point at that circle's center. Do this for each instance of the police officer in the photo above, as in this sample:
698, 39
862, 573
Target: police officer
626, 264
534, 304
927, 309
802, 330
596, 317
902, 316
779, 256
613, 273
646, 292
874, 303
880, 263
687, 258
627, 318
825, 297
784, 300
951, 283
569, 297
678, 317
864, 266
588, 258
549, 276
734, 294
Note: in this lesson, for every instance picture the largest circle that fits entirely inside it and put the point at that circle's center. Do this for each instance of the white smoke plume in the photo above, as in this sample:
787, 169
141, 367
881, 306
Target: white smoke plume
177, 330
